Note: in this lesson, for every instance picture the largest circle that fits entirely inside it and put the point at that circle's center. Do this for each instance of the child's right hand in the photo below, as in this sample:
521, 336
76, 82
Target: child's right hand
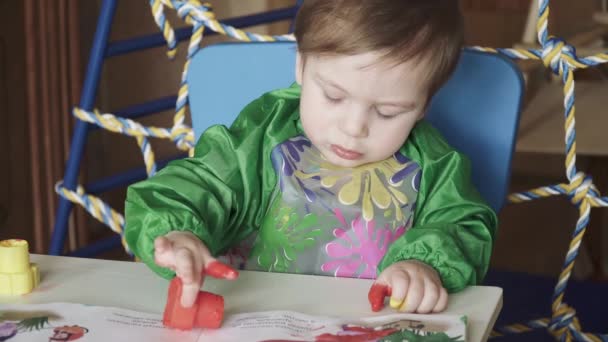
185, 254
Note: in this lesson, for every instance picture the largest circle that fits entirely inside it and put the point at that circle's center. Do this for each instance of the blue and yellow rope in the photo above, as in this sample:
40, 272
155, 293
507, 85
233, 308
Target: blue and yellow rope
555, 53
194, 11
158, 12
561, 58
97, 208
198, 15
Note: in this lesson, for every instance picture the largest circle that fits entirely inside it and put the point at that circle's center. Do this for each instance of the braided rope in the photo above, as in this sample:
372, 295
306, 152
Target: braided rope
97, 208
555, 53
561, 58
193, 11
199, 16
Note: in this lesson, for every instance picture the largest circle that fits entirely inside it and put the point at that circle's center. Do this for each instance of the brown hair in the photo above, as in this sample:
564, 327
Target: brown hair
429, 30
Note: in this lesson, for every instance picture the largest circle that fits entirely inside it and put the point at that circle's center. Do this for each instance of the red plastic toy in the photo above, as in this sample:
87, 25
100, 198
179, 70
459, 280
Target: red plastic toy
208, 309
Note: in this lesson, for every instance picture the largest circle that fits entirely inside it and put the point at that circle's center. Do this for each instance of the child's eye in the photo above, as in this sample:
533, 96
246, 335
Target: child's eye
384, 116
332, 99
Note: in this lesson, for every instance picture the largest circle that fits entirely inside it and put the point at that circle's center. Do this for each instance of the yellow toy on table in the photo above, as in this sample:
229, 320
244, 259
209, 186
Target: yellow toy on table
17, 275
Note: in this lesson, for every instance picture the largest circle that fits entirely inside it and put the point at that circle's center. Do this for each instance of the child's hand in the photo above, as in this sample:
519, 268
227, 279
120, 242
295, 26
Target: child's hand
412, 286
185, 254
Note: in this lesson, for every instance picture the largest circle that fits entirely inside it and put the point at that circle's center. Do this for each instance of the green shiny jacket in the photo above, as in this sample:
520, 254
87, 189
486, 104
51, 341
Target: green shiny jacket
223, 192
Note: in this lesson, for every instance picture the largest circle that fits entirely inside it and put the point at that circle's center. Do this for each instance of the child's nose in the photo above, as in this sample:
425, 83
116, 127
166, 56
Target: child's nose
355, 125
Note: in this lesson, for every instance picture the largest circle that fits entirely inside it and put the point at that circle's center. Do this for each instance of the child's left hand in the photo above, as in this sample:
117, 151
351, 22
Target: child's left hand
412, 286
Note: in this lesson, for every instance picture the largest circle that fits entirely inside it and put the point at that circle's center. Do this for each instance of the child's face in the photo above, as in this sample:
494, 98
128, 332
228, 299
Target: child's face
359, 109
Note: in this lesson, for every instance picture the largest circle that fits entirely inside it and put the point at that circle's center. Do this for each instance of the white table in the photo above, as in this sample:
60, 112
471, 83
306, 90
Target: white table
132, 285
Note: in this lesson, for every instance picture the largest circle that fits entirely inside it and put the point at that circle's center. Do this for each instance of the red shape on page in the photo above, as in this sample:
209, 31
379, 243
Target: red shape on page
207, 311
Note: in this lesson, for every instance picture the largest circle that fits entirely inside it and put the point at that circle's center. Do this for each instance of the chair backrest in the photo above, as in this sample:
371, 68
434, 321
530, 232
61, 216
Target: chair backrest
477, 110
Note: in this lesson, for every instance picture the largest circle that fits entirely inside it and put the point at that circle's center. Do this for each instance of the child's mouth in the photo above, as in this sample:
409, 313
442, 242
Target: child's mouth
345, 153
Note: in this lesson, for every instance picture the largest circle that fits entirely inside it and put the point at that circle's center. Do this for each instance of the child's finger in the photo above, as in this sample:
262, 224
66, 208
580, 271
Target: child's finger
430, 298
414, 295
189, 272
163, 253
400, 283
442, 302
376, 295
220, 270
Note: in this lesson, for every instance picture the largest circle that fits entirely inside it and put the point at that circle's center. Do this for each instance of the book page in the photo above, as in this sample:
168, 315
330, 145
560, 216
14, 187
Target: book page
71, 322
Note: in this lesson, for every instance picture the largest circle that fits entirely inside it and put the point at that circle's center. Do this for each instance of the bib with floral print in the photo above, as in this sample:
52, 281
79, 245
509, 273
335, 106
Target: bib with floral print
329, 220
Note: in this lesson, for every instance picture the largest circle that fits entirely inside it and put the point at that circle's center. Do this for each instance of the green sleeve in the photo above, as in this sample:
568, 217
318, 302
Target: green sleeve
221, 193
453, 229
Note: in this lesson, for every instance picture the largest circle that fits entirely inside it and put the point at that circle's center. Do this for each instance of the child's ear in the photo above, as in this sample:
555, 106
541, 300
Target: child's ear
299, 68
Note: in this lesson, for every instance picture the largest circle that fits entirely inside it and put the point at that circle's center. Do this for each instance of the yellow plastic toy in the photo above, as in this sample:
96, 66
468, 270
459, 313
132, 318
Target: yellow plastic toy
17, 275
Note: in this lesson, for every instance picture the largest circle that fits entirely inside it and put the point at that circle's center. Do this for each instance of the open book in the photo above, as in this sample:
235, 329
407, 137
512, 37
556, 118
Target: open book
71, 322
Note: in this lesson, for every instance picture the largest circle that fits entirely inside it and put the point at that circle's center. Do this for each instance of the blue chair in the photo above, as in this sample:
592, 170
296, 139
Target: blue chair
477, 110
